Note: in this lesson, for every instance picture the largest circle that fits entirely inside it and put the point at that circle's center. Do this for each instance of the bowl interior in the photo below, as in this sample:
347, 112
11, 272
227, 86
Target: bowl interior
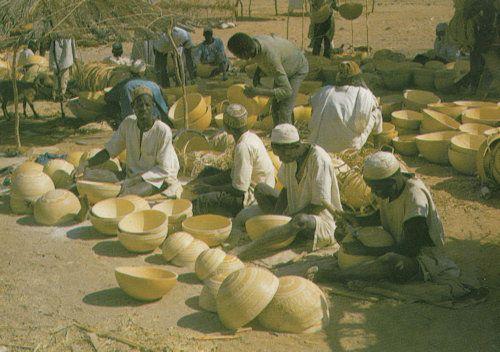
468, 141
421, 96
146, 272
266, 222
407, 115
173, 206
113, 208
492, 113
437, 136
442, 118
207, 222
142, 221
405, 138
474, 128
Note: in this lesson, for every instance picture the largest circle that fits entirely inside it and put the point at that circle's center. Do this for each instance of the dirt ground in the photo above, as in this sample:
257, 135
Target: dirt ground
51, 277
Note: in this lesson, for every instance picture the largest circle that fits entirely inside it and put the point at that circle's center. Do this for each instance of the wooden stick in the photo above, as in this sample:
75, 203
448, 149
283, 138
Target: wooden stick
16, 96
217, 337
18, 346
108, 335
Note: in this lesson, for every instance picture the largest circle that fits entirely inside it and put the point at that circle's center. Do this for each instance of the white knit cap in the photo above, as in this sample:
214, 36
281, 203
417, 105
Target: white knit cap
138, 66
285, 133
235, 116
380, 165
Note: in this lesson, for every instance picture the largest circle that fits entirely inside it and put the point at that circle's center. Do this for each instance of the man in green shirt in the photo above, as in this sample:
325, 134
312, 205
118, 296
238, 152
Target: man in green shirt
277, 58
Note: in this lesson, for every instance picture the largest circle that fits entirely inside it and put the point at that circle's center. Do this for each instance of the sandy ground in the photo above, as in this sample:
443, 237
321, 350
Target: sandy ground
53, 276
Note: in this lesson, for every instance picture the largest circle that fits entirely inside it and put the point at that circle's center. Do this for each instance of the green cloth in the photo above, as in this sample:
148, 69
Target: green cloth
280, 59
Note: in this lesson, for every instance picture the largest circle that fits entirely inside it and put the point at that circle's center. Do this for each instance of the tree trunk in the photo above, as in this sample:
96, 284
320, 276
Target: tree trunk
276, 7
16, 98
249, 8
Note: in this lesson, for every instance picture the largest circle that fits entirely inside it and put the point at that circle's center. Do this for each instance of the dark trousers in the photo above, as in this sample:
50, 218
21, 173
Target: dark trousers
319, 37
161, 69
219, 203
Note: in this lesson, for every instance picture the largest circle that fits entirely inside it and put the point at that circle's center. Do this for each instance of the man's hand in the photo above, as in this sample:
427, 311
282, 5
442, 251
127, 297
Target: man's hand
251, 92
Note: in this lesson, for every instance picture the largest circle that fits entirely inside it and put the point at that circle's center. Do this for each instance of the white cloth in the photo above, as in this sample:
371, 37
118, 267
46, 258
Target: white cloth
62, 54
122, 60
181, 38
24, 55
285, 133
317, 184
416, 201
252, 165
143, 50
344, 117
154, 159
380, 165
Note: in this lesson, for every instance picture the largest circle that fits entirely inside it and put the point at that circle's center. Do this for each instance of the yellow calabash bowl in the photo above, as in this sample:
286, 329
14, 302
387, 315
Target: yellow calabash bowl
211, 229
56, 207
145, 283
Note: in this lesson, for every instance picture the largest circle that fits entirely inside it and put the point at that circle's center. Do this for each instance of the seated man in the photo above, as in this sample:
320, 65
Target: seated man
309, 182
346, 114
227, 193
121, 94
409, 214
444, 49
117, 57
152, 164
211, 52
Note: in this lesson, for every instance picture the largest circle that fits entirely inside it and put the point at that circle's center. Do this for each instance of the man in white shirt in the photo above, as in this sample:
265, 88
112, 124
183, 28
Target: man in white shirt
163, 48
227, 193
308, 178
62, 56
152, 164
346, 114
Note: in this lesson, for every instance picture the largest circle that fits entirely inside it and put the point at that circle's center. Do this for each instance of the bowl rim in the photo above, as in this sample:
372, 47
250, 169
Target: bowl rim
136, 213
112, 200
122, 270
186, 222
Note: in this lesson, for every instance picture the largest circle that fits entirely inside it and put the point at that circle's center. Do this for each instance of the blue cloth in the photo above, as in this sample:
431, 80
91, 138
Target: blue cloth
212, 54
46, 157
122, 95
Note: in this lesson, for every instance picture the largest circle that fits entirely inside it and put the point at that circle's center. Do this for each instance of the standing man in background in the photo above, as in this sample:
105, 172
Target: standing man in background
62, 56
322, 27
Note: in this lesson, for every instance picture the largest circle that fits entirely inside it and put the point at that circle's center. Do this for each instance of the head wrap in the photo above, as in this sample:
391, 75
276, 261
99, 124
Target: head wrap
141, 90
348, 69
235, 116
117, 46
285, 133
138, 66
208, 30
380, 165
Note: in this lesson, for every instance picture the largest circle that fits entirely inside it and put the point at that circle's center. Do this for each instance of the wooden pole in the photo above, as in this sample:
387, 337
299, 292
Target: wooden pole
16, 96
367, 31
180, 74
303, 20
249, 8
276, 7
287, 23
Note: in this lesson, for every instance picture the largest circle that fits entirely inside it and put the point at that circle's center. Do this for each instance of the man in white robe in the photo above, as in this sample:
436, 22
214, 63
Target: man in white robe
62, 56
344, 115
309, 182
227, 193
152, 164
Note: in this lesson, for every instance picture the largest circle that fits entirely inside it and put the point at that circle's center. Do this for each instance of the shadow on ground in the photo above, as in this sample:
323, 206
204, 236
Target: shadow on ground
112, 249
85, 233
111, 297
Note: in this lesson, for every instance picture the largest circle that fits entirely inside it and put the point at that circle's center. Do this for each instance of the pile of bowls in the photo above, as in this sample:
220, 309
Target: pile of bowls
143, 231
145, 283
211, 229
26, 188
258, 225
463, 152
434, 121
434, 146
56, 207
177, 211
423, 78
59, 170
406, 144
406, 121
138, 202
388, 134
199, 113
444, 81
389, 104
450, 109
419, 99
488, 160
106, 214
182, 249
97, 191
397, 76
487, 116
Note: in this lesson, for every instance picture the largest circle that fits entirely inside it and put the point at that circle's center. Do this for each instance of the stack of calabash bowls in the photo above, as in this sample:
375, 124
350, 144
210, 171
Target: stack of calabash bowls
143, 231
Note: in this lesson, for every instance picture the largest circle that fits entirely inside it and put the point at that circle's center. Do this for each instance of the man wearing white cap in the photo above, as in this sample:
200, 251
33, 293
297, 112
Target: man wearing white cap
309, 181
227, 193
121, 94
409, 214
152, 164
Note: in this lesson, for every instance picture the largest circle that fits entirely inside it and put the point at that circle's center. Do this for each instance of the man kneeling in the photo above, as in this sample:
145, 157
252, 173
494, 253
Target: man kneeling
152, 164
409, 214
309, 181
228, 192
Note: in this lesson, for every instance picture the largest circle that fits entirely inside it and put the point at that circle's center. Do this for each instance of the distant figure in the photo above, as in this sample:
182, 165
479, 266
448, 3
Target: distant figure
117, 57
163, 48
346, 114
445, 50
211, 52
276, 58
26, 53
62, 57
121, 95
322, 27
143, 50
